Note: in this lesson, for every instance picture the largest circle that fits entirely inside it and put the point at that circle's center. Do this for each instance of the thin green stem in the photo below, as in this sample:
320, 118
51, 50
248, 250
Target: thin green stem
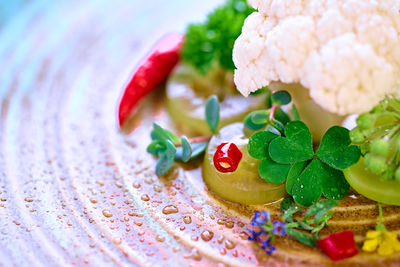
380, 226
272, 112
380, 131
389, 113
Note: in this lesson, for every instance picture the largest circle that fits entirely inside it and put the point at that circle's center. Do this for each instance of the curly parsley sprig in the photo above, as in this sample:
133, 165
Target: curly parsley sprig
210, 43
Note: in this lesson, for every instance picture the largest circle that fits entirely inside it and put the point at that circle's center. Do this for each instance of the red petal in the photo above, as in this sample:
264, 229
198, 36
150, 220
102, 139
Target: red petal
339, 246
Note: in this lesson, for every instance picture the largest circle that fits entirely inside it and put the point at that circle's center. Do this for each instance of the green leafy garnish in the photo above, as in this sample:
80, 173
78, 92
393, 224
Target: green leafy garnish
288, 209
212, 113
314, 220
169, 148
210, 44
166, 158
302, 237
197, 150
295, 147
281, 98
186, 149
308, 175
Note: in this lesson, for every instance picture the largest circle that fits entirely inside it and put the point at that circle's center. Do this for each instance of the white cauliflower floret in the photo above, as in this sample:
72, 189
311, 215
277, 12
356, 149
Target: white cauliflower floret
346, 52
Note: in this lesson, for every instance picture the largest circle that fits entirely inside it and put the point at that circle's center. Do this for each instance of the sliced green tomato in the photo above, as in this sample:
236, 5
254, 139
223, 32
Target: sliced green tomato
187, 92
244, 185
372, 186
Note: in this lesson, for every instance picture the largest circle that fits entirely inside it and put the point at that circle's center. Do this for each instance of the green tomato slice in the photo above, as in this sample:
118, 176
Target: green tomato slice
372, 186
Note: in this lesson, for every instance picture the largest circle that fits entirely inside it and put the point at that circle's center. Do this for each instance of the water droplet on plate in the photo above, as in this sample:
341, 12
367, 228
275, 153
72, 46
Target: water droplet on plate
187, 219
170, 209
107, 213
229, 244
117, 241
160, 238
206, 235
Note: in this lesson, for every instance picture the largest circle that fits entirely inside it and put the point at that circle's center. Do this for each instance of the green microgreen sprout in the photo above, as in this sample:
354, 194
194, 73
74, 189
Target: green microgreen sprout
169, 148
314, 220
212, 113
274, 117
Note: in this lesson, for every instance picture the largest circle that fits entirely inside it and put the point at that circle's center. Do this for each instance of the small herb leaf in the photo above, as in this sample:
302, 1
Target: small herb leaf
273, 172
186, 149
302, 237
281, 116
281, 98
248, 122
295, 113
162, 134
334, 184
166, 158
288, 208
258, 144
320, 208
306, 189
296, 147
335, 150
197, 150
260, 117
212, 113
156, 147
293, 174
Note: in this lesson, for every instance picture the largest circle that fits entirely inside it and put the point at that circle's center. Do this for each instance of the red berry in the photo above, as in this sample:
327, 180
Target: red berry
227, 157
339, 246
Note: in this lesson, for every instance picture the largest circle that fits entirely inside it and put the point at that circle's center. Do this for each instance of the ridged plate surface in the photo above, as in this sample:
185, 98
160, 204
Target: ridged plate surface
74, 190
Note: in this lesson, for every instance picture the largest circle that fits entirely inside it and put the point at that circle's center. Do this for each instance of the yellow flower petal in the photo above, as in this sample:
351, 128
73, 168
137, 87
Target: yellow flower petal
385, 248
392, 238
373, 234
370, 245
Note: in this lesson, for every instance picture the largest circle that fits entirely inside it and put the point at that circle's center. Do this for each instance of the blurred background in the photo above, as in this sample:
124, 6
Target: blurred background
63, 162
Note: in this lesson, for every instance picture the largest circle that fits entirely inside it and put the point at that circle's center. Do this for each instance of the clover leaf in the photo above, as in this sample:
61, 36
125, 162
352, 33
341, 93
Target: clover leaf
295, 147
335, 151
258, 144
308, 175
273, 172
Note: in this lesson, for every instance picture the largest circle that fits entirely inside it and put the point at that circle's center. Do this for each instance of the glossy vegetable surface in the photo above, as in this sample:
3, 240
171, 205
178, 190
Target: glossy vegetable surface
150, 73
372, 186
243, 185
339, 246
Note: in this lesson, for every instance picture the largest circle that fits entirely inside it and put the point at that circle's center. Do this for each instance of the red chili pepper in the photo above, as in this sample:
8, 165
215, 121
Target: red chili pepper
339, 246
150, 73
227, 157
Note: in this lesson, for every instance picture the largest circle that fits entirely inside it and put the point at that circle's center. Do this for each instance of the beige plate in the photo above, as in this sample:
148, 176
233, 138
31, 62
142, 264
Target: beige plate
74, 191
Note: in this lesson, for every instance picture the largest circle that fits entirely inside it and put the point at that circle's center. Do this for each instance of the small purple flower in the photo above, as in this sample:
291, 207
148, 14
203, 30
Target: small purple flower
260, 218
279, 228
259, 233
270, 249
